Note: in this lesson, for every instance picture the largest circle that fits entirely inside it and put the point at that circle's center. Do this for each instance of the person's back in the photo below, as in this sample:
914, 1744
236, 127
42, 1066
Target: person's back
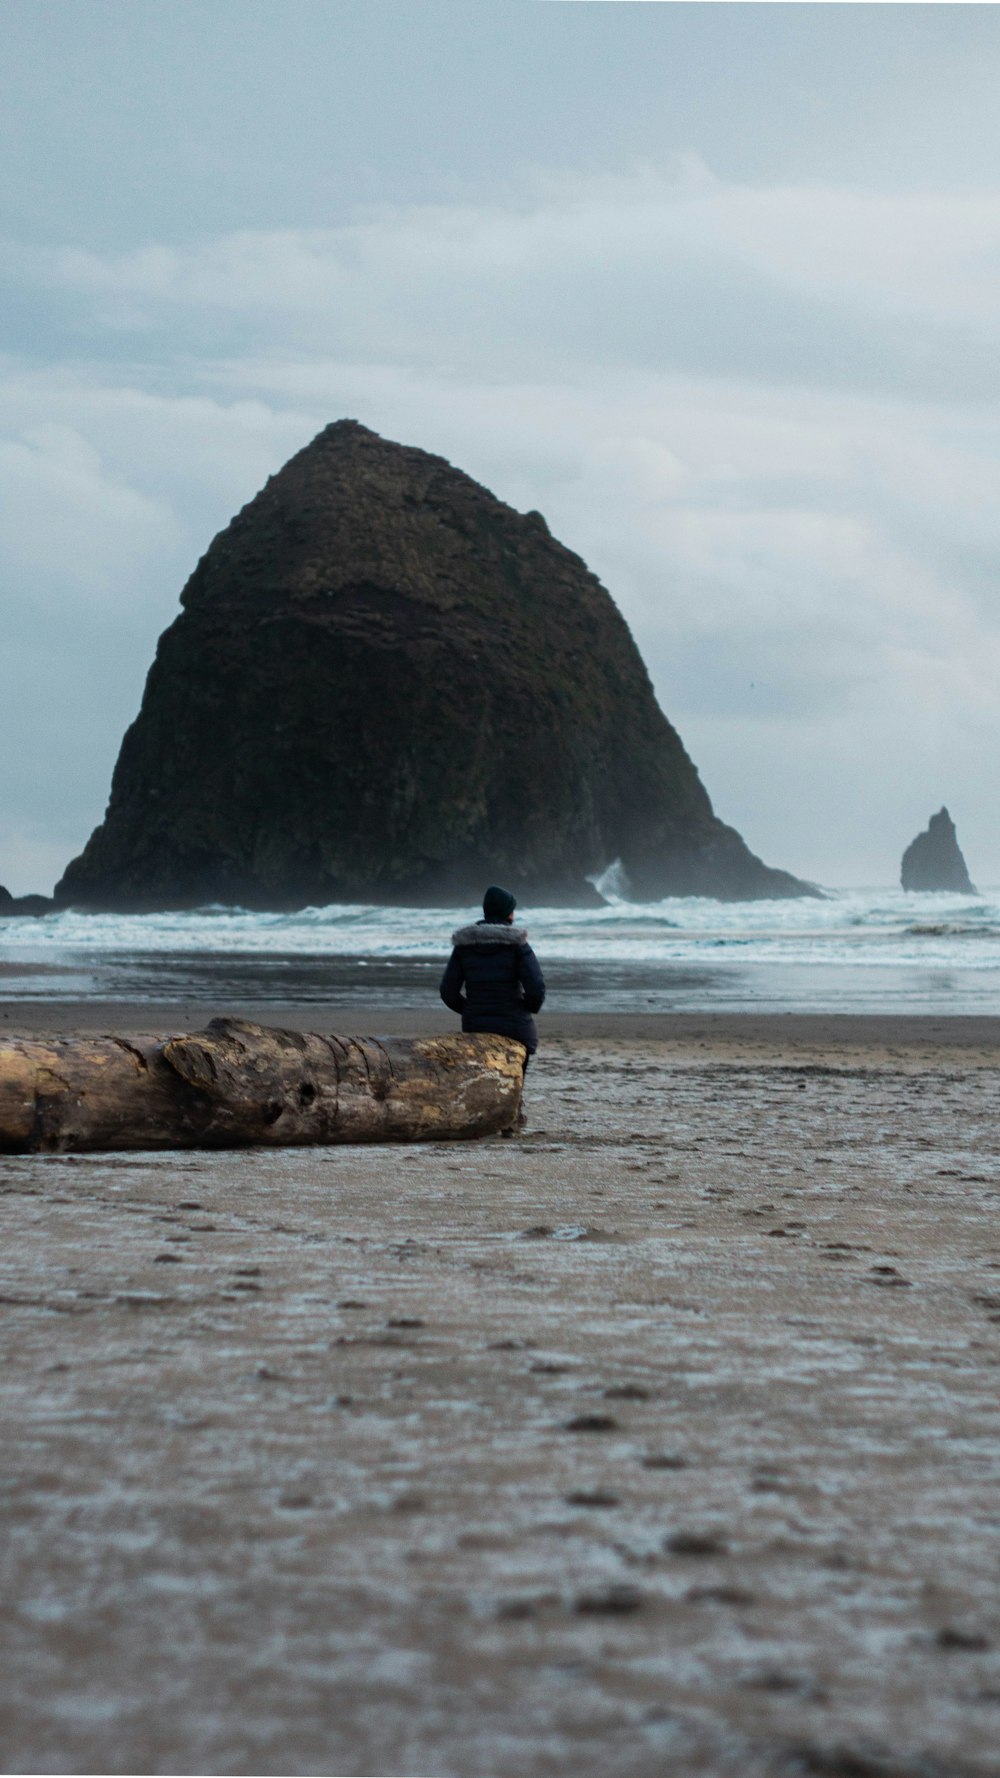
493, 978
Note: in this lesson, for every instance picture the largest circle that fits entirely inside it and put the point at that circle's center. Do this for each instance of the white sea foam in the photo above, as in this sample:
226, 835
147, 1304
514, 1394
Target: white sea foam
880, 928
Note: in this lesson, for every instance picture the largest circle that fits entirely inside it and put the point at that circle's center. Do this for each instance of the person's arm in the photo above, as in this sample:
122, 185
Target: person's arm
452, 982
531, 978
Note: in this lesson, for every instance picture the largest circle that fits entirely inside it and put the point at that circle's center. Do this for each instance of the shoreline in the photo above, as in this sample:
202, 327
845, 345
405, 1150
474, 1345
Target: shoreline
969, 1039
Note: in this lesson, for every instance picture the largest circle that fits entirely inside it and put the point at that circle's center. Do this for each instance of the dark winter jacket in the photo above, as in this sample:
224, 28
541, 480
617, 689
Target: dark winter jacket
503, 984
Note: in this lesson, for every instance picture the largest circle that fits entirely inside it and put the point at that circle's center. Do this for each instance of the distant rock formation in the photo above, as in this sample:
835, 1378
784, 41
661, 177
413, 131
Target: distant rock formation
11, 906
934, 861
386, 685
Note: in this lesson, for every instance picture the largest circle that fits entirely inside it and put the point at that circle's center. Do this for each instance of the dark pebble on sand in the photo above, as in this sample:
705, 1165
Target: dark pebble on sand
609, 1601
969, 1641
591, 1423
515, 1610
774, 1680
596, 1497
695, 1543
888, 1277
408, 1503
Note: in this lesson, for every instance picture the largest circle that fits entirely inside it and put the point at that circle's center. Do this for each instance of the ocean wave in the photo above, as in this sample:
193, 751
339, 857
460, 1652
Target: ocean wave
874, 928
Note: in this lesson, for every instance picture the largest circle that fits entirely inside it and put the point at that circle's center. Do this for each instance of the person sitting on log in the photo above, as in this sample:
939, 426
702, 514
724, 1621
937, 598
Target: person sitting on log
499, 972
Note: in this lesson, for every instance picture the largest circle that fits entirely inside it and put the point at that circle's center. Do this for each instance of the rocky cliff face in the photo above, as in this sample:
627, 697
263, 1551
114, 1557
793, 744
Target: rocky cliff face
934, 860
387, 685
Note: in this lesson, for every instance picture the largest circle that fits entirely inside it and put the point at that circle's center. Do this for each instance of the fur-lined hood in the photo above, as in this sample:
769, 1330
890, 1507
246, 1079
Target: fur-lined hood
482, 932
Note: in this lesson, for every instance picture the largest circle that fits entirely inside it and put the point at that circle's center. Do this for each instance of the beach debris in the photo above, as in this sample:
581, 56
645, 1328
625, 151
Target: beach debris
237, 1084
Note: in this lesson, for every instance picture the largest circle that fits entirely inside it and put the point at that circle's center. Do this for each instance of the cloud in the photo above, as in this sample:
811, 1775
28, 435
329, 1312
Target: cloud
64, 517
769, 418
815, 284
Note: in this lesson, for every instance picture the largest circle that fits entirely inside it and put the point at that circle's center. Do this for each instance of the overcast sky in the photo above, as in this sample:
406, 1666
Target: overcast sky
714, 287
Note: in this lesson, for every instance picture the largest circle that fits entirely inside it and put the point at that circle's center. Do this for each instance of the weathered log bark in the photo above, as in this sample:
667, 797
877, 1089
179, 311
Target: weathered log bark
238, 1085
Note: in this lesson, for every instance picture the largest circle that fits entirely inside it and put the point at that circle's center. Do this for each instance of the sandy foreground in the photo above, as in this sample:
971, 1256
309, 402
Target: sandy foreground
664, 1440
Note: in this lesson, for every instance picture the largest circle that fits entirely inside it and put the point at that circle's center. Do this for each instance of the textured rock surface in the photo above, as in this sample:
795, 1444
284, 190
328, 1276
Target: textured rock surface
385, 684
934, 859
13, 905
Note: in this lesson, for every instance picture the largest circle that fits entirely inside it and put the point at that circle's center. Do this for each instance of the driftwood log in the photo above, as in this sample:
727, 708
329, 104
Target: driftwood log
237, 1085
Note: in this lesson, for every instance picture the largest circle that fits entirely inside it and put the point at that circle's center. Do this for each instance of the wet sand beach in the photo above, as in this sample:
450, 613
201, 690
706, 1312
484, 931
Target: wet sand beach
664, 1439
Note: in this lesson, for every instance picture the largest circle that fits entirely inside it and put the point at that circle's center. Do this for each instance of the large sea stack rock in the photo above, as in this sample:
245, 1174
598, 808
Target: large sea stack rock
386, 685
934, 859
